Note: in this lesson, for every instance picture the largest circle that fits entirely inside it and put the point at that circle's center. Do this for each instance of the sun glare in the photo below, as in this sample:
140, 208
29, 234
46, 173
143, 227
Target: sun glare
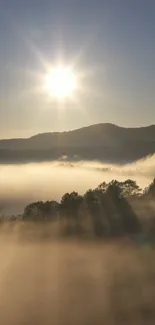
61, 82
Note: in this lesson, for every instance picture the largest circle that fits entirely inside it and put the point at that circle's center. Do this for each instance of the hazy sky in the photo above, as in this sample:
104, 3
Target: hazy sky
111, 41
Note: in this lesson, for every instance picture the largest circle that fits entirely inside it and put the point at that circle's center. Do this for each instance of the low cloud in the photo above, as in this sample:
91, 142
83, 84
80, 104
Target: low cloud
21, 184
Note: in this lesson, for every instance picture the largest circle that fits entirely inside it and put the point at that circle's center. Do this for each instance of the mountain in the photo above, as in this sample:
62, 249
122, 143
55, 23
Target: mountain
106, 142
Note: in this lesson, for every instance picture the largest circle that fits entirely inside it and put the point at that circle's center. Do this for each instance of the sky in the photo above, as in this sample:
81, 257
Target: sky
111, 43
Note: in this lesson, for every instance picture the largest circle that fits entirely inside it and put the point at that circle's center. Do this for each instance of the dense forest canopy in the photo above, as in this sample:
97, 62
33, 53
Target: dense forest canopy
111, 209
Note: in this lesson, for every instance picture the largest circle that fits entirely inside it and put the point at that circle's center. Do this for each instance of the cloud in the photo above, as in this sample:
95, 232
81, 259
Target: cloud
21, 184
141, 168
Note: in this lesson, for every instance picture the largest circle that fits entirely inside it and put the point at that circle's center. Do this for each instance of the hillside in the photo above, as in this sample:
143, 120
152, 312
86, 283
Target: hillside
106, 142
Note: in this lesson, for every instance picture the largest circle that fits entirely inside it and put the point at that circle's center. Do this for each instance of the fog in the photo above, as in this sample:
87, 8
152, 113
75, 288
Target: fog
69, 283
50, 280
21, 184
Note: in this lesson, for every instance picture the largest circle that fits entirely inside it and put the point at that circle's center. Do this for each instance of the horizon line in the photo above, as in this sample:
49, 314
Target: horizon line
79, 128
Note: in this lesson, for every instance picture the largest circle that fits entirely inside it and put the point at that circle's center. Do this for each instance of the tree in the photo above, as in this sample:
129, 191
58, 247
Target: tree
93, 200
127, 188
50, 210
130, 188
70, 206
123, 218
32, 211
39, 211
103, 186
150, 190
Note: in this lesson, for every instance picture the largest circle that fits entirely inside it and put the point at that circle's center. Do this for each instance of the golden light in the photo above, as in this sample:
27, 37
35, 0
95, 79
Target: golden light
61, 82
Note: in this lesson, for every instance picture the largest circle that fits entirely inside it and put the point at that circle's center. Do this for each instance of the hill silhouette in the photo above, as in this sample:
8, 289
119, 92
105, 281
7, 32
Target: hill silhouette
105, 142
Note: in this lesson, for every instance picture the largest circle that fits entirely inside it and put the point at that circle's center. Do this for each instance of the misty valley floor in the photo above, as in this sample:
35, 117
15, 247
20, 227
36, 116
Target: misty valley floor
21, 184
75, 283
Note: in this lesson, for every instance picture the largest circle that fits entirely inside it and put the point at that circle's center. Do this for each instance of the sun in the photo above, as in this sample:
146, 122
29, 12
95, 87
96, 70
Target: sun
61, 82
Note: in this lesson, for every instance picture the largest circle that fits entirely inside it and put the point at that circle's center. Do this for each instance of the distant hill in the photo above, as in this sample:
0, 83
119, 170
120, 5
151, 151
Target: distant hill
106, 142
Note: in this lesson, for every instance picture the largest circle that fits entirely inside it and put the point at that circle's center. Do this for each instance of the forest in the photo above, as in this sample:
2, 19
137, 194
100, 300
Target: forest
111, 210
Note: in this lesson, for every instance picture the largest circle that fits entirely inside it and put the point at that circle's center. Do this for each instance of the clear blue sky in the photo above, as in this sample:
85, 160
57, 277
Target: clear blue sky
113, 39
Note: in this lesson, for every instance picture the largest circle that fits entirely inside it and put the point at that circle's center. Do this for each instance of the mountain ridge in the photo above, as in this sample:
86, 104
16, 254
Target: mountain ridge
104, 141
78, 129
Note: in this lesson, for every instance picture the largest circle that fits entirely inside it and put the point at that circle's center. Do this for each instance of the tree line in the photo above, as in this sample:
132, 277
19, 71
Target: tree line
108, 208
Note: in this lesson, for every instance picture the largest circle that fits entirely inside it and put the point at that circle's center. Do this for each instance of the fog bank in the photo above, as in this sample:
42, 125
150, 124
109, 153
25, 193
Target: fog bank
21, 184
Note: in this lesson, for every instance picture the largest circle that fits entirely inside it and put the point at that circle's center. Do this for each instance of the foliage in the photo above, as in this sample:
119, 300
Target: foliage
150, 190
108, 207
41, 211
